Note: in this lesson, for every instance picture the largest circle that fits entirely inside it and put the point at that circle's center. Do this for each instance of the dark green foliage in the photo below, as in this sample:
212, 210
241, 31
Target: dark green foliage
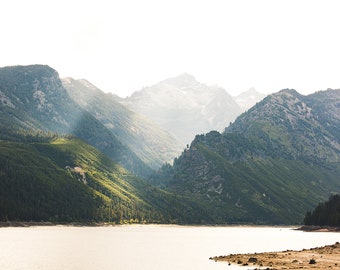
34, 188
326, 213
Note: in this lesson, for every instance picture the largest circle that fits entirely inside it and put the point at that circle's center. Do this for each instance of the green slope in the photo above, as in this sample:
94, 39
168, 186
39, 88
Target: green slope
35, 188
261, 191
65, 180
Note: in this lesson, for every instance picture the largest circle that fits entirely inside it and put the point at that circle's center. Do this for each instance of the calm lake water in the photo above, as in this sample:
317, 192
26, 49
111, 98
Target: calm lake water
147, 247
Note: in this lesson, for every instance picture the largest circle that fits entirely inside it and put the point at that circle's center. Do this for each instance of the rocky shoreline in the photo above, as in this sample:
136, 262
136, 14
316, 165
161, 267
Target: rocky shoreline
327, 257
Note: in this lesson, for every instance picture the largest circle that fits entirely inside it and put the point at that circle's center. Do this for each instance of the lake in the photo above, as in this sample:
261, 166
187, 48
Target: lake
147, 247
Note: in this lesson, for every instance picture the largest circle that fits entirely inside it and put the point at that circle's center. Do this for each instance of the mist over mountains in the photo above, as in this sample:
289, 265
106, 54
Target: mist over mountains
249, 98
151, 143
186, 107
69, 152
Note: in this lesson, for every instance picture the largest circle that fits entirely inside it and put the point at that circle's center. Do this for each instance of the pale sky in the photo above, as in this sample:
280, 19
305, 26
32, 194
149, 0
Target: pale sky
122, 46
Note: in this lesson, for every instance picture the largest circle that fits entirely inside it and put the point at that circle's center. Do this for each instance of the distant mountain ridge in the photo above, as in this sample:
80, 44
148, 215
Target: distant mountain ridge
185, 107
249, 98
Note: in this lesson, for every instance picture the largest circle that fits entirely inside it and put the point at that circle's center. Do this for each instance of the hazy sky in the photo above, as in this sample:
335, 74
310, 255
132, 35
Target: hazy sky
121, 46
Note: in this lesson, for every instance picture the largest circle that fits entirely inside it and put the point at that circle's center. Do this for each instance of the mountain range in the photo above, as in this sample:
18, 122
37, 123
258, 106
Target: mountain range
69, 152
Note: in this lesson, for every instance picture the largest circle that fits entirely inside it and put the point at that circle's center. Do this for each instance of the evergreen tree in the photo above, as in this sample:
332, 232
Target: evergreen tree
326, 213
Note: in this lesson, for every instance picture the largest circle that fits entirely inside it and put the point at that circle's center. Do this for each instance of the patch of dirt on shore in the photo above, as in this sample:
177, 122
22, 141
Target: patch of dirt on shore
327, 257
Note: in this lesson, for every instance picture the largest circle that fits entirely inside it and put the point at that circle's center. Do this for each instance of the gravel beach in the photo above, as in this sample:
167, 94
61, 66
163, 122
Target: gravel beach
327, 257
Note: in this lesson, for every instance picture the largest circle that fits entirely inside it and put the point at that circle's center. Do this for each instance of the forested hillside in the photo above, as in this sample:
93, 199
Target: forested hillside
326, 213
62, 179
